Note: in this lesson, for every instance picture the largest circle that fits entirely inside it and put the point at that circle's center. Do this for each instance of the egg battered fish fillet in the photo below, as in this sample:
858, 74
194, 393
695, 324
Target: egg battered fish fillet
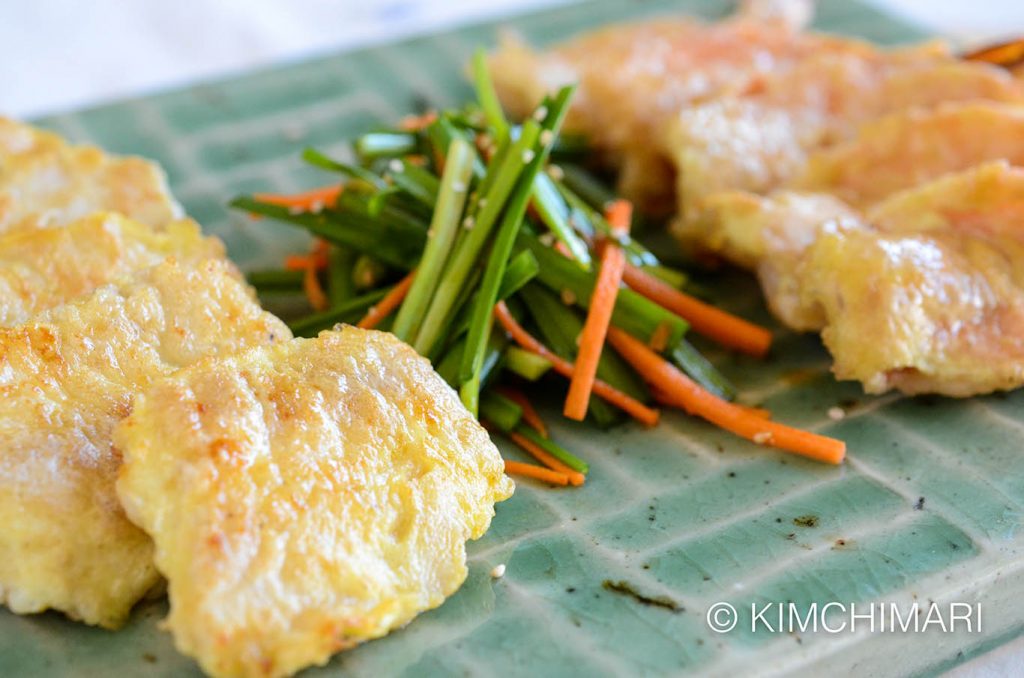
66, 378
930, 298
897, 152
44, 267
761, 140
46, 181
305, 497
634, 78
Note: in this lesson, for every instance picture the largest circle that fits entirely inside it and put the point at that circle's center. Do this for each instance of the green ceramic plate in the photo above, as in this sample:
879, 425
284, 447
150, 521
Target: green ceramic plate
682, 513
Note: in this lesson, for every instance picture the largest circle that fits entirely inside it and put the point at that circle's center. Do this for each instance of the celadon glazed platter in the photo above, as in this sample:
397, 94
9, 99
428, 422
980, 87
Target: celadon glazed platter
616, 577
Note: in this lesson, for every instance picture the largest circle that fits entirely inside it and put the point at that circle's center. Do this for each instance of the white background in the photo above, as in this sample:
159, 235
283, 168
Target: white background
59, 55
62, 54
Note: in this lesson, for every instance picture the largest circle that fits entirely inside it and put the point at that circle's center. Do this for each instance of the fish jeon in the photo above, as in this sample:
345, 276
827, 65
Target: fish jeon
930, 297
761, 140
901, 151
67, 376
44, 267
736, 104
305, 497
635, 78
46, 181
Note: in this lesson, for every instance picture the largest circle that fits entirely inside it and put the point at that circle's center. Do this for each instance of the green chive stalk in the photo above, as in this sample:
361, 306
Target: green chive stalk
444, 227
469, 246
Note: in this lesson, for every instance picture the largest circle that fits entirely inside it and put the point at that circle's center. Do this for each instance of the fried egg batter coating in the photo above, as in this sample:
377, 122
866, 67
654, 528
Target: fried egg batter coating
46, 181
44, 267
305, 497
66, 378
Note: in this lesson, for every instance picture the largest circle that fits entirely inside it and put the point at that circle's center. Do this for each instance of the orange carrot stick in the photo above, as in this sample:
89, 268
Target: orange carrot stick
712, 322
689, 396
1005, 54
599, 315
389, 303
758, 412
325, 196
633, 407
300, 262
575, 477
530, 414
313, 289
537, 472
414, 123
668, 400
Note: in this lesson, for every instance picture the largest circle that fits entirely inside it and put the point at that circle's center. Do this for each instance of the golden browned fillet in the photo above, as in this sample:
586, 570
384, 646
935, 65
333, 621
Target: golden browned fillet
66, 378
46, 181
305, 497
906, 149
760, 140
895, 153
634, 78
931, 298
44, 267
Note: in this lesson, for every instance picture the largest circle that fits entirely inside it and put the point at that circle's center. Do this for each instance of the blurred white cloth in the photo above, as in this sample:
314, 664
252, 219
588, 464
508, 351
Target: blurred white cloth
63, 54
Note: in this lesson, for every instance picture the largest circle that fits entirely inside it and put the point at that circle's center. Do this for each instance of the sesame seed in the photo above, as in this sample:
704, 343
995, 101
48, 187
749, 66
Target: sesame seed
482, 203
468, 223
396, 165
295, 209
499, 571
762, 437
836, 413
458, 187
527, 156
317, 206
568, 297
540, 114
546, 137
556, 172
547, 239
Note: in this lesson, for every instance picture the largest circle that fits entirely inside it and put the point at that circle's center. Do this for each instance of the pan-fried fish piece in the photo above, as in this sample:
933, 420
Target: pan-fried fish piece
895, 153
305, 497
66, 378
769, 235
46, 181
759, 141
903, 150
44, 267
635, 78
931, 299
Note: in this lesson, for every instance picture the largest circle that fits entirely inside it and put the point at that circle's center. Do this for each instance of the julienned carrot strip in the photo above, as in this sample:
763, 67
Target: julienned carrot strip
619, 214
313, 289
325, 196
759, 412
538, 472
660, 337
599, 315
631, 406
666, 399
686, 394
387, 304
414, 123
575, 477
1005, 54
712, 322
530, 415
300, 262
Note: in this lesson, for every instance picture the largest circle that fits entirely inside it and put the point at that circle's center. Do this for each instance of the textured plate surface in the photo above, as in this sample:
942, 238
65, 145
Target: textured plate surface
684, 511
